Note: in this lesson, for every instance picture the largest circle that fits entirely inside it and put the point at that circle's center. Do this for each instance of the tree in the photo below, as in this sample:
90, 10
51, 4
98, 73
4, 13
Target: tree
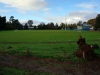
56, 25
62, 25
30, 22
41, 25
25, 26
2, 23
74, 25
97, 24
79, 23
11, 19
51, 25
9, 26
92, 22
17, 24
14, 24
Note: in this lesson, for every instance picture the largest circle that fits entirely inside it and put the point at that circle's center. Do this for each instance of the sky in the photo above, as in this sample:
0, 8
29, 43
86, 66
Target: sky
56, 11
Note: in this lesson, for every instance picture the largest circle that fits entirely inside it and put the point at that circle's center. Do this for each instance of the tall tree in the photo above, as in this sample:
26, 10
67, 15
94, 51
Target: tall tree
56, 25
17, 24
41, 25
9, 26
97, 24
92, 22
62, 25
2, 23
51, 25
11, 19
79, 23
30, 22
25, 26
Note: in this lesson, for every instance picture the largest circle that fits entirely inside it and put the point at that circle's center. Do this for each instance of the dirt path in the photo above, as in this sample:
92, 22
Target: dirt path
51, 66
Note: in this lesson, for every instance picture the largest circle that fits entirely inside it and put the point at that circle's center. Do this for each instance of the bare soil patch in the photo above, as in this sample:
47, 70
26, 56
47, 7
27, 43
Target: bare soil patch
50, 65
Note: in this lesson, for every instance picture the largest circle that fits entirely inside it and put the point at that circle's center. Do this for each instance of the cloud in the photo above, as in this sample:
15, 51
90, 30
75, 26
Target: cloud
22, 12
35, 22
55, 19
26, 5
60, 9
71, 17
88, 5
46, 9
4, 11
23, 21
75, 16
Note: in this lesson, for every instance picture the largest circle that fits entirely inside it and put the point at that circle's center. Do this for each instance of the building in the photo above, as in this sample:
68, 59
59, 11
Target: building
84, 26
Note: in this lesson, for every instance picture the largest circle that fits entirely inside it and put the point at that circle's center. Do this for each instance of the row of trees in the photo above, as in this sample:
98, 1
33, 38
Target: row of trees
51, 25
15, 24
11, 24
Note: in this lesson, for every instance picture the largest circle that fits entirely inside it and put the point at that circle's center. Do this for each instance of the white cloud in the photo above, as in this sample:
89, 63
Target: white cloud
87, 5
35, 22
26, 5
4, 11
46, 9
23, 21
55, 19
22, 12
60, 9
73, 17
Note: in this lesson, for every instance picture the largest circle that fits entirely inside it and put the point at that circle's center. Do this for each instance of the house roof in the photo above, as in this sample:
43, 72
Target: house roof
84, 24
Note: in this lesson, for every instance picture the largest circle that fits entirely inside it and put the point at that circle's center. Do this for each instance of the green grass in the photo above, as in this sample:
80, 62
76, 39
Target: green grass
46, 43
13, 71
45, 36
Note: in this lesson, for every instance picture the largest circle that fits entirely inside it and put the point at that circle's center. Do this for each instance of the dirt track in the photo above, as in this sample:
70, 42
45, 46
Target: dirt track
51, 66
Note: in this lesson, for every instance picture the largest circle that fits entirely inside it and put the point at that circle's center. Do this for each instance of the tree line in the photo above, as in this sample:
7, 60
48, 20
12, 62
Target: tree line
13, 24
50, 25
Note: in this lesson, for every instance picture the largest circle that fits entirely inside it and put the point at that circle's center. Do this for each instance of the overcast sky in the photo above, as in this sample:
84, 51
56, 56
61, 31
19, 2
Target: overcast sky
57, 11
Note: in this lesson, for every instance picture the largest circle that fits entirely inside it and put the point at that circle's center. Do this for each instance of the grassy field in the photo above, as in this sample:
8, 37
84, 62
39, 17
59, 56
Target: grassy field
46, 43
57, 44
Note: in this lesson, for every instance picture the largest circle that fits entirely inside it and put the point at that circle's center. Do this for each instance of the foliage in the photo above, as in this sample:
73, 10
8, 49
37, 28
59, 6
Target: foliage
97, 24
62, 25
13, 24
17, 24
30, 22
92, 22
79, 23
2, 23
26, 26
11, 19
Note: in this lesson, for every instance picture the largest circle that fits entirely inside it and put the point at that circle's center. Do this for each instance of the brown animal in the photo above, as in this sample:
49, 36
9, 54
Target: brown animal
85, 51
